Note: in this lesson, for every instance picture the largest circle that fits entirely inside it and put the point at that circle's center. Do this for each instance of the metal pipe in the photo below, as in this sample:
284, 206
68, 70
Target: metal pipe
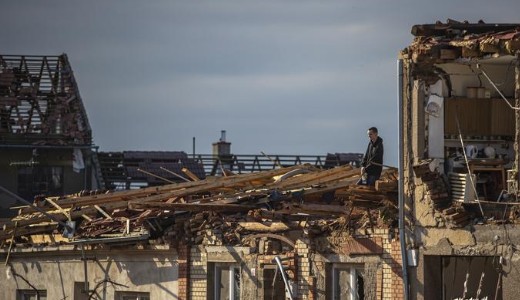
284, 277
193, 148
84, 259
516, 165
402, 235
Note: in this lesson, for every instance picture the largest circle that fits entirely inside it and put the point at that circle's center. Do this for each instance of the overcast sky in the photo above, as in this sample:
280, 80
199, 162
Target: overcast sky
283, 77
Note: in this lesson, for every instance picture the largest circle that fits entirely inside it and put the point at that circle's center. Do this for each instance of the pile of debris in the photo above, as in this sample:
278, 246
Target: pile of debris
217, 210
437, 191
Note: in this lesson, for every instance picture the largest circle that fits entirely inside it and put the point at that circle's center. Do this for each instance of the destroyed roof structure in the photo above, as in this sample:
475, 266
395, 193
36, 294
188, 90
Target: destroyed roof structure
40, 102
314, 222
45, 136
459, 127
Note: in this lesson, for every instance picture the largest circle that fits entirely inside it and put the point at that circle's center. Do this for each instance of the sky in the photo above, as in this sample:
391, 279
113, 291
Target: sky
281, 77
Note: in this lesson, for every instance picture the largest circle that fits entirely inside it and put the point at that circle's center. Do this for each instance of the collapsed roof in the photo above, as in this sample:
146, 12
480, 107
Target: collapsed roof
445, 42
303, 198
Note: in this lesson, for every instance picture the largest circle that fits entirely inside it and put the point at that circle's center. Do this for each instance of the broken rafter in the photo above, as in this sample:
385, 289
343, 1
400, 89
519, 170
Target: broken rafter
267, 202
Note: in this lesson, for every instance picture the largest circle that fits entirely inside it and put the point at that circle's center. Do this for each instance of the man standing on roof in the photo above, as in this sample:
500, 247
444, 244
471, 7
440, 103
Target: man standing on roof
372, 163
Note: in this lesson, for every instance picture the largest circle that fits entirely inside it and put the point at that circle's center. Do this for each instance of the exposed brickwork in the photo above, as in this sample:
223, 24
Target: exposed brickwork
389, 284
397, 271
382, 269
198, 274
304, 269
183, 252
379, 284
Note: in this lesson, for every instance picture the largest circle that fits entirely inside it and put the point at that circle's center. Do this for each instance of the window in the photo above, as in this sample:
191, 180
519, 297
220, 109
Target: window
40, 180
223, 281
132, 296
345, 282
274, 287
31, 295
80, 293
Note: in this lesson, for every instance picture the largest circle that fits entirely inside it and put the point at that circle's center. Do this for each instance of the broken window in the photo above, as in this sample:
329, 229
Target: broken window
462, 277
131, 296
31, 295
274, 287
40, 180
223, 281
345, 282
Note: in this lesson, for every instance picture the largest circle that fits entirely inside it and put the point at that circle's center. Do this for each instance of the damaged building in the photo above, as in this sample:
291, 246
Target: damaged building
299, 232
459, 128
443, 227
45, 137
164, 225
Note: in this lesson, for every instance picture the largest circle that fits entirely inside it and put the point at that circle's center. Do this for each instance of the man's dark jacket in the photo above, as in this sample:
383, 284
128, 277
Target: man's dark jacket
374, 154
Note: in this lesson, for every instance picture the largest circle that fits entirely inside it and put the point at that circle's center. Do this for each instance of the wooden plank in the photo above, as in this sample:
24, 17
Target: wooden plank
104, 213
190, 174
61, 210
192, 206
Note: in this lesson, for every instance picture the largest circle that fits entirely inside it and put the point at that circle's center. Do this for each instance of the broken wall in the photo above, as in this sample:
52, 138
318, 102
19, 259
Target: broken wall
441, 237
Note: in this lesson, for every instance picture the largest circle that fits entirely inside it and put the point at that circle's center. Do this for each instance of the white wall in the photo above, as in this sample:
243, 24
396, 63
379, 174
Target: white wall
150, 271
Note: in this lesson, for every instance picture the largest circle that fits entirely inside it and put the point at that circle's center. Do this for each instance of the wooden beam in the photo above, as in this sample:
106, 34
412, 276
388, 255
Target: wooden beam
104, 213
192, 206
190, 174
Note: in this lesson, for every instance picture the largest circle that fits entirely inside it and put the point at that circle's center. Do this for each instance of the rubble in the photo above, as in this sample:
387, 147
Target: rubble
216, 210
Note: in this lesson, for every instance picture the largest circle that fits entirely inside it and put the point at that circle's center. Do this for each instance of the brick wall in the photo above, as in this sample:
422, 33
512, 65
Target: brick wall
383, 268
304, 270
397, 271
392, 284
183, 252
198, 274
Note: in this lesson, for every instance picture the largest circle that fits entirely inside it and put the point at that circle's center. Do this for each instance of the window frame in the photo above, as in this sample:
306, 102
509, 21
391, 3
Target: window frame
22, 294
234, 269
353, 269
123, 295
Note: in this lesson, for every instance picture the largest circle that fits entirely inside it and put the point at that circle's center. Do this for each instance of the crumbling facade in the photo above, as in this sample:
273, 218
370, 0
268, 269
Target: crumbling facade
460, 89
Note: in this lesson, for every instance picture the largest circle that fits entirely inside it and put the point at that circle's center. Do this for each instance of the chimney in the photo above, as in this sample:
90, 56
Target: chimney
222, 148
222, 135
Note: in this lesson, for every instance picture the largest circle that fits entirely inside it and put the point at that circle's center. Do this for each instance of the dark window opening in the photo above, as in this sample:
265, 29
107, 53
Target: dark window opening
274, 287
462, 277
131, 296
31, 295
33, 181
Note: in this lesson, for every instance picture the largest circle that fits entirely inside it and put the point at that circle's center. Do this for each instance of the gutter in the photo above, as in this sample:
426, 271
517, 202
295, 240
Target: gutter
402, 235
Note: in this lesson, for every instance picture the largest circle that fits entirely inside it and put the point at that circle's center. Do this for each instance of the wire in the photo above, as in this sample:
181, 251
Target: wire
467, 164
496, 88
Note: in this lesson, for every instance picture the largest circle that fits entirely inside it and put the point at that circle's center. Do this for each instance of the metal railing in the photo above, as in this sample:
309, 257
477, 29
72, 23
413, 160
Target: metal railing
247, 163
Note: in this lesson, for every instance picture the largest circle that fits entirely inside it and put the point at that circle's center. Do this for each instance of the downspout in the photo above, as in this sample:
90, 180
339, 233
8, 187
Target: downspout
516, 165
402, 234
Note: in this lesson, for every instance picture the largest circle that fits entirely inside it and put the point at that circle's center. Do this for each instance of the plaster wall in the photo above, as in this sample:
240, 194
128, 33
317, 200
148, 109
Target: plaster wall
154, 272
